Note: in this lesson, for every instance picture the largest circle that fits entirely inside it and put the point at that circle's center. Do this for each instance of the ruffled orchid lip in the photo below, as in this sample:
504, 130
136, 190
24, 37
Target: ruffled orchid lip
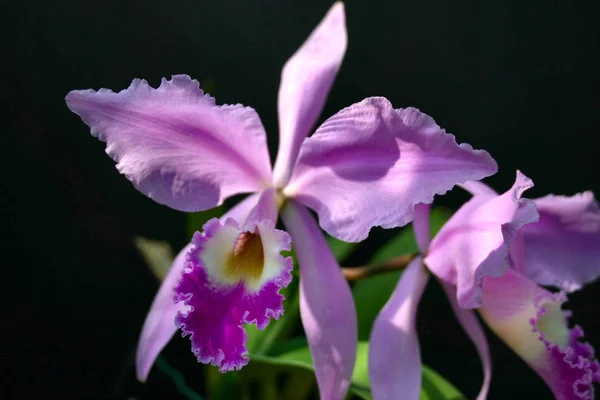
232, 277
575, 366
532, 322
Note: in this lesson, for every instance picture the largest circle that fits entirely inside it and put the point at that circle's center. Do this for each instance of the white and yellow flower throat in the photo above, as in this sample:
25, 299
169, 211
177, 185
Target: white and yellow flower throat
232, 256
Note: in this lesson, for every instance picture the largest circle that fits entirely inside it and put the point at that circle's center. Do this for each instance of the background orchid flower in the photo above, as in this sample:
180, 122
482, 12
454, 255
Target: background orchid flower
480, 256
182, 150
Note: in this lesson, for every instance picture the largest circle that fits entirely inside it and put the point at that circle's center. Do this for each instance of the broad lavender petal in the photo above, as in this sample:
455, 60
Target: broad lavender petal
531, 322
394, 354
232, 277
370, 164
175, 144
326, 304
472, 327
159, 326
563, 248
478, 240
305, 83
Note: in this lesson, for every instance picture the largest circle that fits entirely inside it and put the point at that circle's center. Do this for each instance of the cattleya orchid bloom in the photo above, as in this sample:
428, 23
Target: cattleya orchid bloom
367, 165
492, 255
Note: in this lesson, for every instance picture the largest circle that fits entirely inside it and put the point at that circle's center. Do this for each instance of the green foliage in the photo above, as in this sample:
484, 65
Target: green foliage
281, 364
194, 221
157, 254
371, 294
434, 387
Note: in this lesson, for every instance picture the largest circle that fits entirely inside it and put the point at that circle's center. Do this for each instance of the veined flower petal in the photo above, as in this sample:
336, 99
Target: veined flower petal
232, 277
530, 320
563, 248
326, 304
370, 164
175, 144
478, 240
305, 82
159, 326
394, 354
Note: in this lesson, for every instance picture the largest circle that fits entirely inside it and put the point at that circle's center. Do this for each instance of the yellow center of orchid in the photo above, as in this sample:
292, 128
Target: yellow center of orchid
554, 325
247, 261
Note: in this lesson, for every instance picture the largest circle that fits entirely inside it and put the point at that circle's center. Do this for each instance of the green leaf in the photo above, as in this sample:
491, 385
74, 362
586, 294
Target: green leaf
371, 294
434, 386
194, 221
157, 254
177, 378
341, 250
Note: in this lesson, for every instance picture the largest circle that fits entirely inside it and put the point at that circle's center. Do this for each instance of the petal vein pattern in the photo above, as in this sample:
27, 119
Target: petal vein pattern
369, 165
175, 144
232, 277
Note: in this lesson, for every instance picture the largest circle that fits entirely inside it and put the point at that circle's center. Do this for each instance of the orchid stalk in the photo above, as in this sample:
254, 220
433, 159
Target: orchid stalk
368, 165
492, 255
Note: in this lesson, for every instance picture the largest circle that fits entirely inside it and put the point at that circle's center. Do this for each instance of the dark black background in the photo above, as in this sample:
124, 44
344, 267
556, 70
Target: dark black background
519, 79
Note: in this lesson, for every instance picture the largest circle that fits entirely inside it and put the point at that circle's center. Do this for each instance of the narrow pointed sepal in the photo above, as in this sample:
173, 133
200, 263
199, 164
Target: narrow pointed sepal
394, 354
326, 304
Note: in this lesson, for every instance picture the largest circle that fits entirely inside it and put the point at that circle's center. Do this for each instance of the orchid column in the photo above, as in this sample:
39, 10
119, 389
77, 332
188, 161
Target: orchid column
368, 165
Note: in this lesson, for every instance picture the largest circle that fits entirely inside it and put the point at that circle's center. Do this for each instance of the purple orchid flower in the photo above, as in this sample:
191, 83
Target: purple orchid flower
182, 150
492, 255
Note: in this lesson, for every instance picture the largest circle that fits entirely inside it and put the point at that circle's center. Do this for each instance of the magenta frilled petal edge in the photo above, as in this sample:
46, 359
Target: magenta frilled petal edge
159, 325
223, 295
530, 320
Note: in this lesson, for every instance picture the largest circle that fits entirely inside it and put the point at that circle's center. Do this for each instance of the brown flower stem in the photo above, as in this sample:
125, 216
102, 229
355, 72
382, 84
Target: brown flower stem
364, 271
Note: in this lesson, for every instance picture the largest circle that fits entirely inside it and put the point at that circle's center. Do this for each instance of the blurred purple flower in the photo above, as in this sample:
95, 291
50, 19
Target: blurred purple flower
491, 255
367, 165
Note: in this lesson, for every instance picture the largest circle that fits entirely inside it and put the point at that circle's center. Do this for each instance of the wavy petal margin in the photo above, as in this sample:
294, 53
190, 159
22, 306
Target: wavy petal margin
175, 144
370, 164
159, 325
531, 322
479, 239
219, 308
